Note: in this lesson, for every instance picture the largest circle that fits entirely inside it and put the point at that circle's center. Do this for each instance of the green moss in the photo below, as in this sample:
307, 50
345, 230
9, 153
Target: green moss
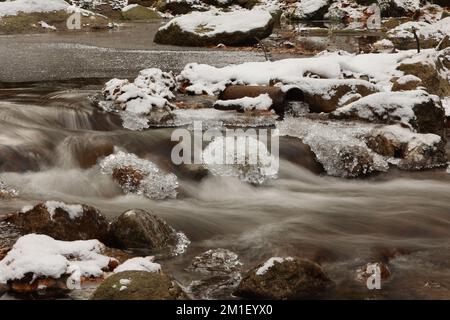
28, 22
140, 13
141, 285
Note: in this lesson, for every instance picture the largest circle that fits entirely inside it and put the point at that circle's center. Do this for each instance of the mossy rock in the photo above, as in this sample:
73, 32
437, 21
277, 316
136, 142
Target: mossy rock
138, 285
140, 13
28, 22
174, 35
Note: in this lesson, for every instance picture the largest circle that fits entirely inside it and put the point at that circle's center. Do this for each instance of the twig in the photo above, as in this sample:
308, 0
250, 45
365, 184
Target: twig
416, 38
263, 48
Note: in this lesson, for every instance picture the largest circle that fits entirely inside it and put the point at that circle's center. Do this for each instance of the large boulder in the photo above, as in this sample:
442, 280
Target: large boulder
284, 278
432, 70
139, 229
416, 109
139, 285
235, 28
62, 221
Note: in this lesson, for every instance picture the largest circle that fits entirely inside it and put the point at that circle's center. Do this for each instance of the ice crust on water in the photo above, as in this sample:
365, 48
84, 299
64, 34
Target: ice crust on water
216, 261
7, 191
329, 141
183, 243
155, 184
244, 157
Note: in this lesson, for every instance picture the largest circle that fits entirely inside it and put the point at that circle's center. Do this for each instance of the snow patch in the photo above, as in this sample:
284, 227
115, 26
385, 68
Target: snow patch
139, 264
270, 263
44, 256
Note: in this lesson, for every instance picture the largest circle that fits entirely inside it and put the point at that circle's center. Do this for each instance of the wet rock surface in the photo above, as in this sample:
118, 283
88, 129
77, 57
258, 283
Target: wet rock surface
62, 221
284, 278
139, 285
138, 229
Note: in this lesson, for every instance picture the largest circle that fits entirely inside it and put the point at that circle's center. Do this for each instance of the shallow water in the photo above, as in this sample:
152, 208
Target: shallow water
397, 217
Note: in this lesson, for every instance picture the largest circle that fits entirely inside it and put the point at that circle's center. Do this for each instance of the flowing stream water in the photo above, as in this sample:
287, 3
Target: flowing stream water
402, 218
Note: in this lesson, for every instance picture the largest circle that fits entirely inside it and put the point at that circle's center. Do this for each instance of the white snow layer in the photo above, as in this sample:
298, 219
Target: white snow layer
44, 256
74, 210
270, 263
214, 22
398, 105
211, 80
11, 8
261, 102
426, 30
139, 264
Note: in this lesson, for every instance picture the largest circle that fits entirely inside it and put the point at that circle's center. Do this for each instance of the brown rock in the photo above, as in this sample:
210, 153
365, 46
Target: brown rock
139, 229
291, 278
88, 224
332, 93
431, 73
406, 83
141, 286
128, 177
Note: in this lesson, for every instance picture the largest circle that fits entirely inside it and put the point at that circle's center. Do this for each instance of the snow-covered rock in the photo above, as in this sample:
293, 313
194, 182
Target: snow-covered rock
416, 109
430, 34
240, 27
380, 68
432, 67
308, 10
39, 257
406, 149
284, 278
405, 83
137, 102
139, 176
325, 95
11, 8
62, 221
